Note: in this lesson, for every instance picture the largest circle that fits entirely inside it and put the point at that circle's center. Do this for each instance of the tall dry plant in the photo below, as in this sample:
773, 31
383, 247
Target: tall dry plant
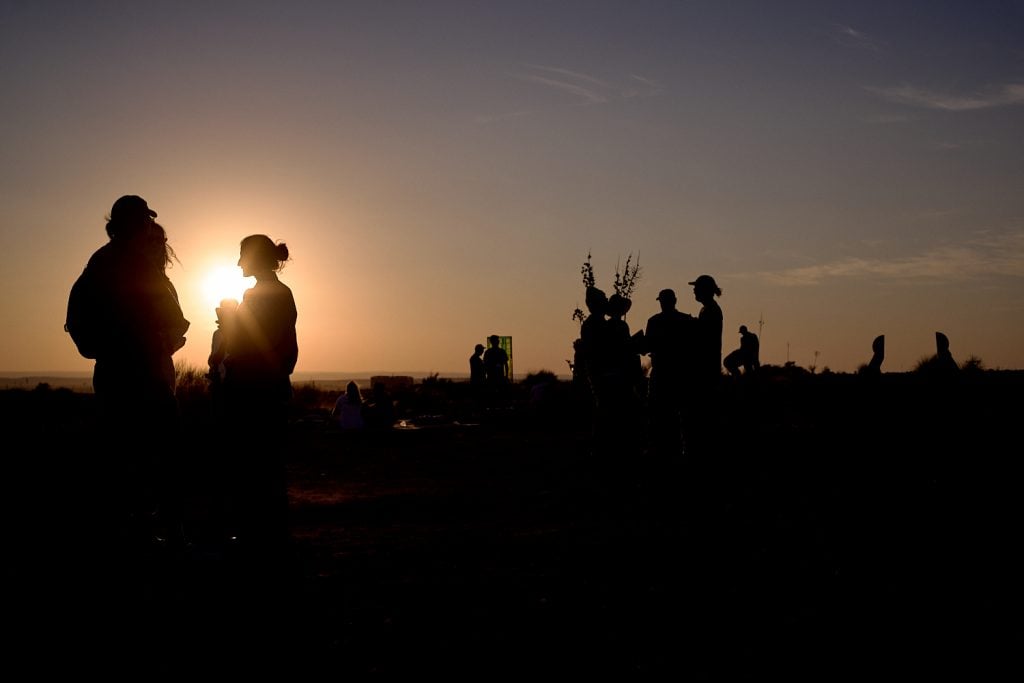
626, 279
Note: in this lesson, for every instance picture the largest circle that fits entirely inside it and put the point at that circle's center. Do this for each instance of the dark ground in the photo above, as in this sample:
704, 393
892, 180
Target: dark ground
839, 526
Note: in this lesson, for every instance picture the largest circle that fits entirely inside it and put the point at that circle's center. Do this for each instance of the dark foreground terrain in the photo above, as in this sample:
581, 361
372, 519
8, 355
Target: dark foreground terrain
838, 525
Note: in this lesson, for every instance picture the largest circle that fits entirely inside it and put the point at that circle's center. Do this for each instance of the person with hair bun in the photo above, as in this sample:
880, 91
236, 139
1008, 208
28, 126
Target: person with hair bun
261, 353
706, 369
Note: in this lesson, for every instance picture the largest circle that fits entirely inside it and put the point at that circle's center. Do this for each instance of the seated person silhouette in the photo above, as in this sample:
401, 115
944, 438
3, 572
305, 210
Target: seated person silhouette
348, 410
379, 413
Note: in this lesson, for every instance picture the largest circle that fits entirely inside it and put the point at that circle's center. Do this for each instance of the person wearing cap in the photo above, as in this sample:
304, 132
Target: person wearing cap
667, 339
144, 324
706, 362
709, 339
140, 326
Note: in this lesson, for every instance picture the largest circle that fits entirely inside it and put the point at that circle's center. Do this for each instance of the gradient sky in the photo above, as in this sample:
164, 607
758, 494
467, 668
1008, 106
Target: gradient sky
440, 170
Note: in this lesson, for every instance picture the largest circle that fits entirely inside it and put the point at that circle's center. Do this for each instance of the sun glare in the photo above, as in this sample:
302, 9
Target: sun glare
224, 282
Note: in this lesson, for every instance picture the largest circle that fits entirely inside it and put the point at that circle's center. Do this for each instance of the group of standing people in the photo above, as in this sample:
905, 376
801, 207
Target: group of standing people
489, 368
137, 325
686, 360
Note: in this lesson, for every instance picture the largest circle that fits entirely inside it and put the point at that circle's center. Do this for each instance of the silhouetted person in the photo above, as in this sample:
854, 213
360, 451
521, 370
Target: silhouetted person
874, 367
379, 412
668, 338
138, 326
590, 333
477, 373
706, 364
348, 409
496, 364
261, 355
616, 369
943, 358
745, 357
218, 353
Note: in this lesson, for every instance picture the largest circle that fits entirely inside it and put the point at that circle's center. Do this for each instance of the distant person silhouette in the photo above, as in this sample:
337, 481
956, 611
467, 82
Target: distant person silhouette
706, 365
379, 412
477, 372
138, 325
348, 409
591, 330
745, 357
261, 353
668, 339
495, 363
943, 358
874, 367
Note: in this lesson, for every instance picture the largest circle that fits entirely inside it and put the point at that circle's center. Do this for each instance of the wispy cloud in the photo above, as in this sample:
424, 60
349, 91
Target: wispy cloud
986, 98
849, 36
569, 74
586, 88
642, 87
585, 92
986, 255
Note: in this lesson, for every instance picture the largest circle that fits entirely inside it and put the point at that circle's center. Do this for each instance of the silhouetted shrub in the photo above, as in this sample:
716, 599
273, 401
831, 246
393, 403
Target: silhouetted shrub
973, 365
540, 377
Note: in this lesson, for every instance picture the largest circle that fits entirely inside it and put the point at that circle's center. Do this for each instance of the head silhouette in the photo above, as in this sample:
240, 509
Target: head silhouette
259, 255
129, 217
705, 289
743, 329
618, 306
478, 349
494, 340
667, 298
596, 300
154, 241
352, 390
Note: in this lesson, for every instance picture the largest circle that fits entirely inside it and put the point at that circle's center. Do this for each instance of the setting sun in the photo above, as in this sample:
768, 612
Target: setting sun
224, 282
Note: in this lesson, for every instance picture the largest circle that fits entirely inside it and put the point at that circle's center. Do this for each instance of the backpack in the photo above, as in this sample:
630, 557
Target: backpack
83, 318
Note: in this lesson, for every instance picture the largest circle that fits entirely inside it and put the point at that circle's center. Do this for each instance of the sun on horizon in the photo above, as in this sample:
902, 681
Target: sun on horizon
223, 282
